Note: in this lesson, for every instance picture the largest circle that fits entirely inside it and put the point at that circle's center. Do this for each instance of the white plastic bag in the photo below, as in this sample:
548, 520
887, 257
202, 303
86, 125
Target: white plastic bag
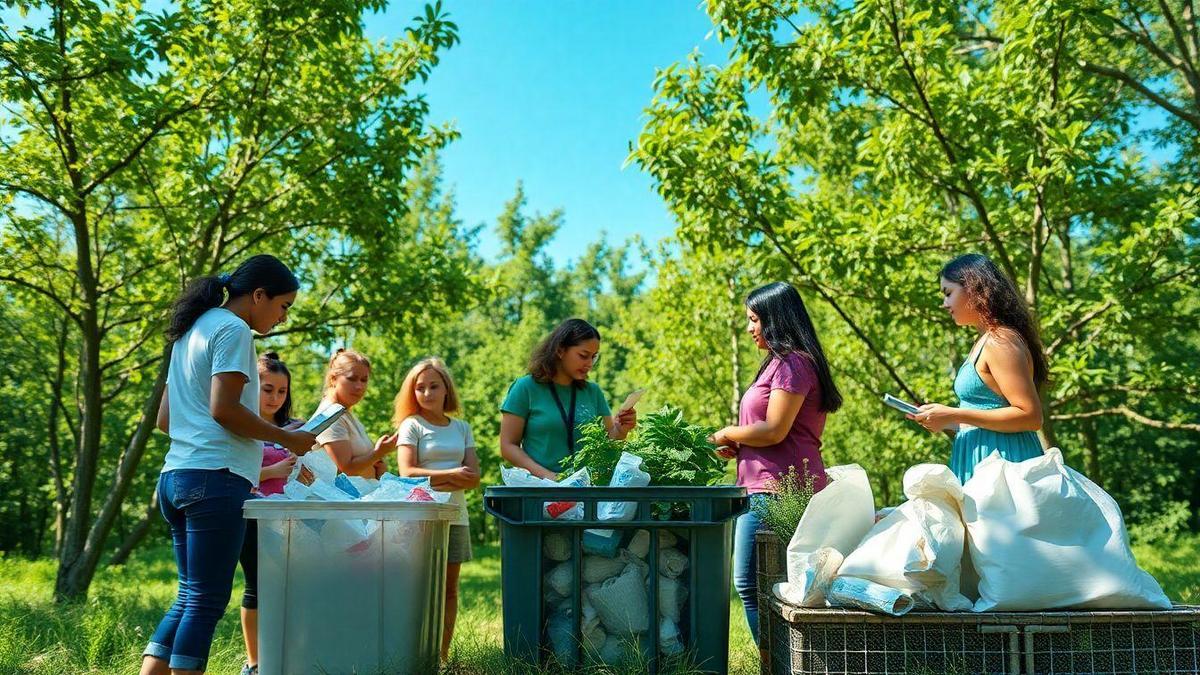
1043, 536
820, 569
671, 562
837, 517
628, 473
563, 510
917, 548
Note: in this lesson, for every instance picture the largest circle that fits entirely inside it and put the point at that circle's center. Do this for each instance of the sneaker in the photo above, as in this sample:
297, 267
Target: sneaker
248, 669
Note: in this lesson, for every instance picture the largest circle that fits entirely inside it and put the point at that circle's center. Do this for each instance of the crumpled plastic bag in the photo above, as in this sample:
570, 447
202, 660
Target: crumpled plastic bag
837, 517
627, 473
621, 602
563, 510
314, 465
820, 569
868, 595
1043, 536
918, 547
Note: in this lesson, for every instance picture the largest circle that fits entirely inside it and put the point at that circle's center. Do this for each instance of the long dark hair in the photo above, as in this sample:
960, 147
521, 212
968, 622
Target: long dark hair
202, 294
995, 298
543, 363
271, 363
787, 329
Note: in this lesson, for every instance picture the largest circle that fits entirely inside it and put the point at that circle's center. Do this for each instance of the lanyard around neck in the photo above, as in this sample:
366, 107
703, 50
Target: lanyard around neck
568, 420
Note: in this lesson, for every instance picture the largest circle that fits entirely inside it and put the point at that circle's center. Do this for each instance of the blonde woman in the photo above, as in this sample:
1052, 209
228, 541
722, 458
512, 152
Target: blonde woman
433, 444
346, 440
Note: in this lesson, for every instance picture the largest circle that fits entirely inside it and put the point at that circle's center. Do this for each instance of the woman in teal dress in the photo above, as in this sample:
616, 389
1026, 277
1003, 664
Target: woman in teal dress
998, 384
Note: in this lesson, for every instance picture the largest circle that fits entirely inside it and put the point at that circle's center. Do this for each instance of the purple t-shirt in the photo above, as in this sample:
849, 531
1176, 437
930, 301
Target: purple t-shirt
756, 466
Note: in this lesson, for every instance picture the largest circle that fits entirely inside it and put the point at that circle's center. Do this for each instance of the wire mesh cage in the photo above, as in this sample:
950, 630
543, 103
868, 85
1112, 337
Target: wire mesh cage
799, 641
804, 641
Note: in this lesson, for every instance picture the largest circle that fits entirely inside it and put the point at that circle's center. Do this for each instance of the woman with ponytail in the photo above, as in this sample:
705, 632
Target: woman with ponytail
781, 418
1000, 408
211, 413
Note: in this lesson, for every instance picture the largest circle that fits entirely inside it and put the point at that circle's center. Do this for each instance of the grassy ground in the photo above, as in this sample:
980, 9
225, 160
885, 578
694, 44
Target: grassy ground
105, 635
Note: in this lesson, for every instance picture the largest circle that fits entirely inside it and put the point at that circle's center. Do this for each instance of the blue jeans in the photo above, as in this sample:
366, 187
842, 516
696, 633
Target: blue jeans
204, 509
745, 566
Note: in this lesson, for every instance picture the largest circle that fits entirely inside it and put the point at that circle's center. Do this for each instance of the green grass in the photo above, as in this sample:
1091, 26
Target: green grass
106, 634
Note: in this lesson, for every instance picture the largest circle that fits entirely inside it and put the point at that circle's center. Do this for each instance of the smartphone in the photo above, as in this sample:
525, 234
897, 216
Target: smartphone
898, 404
321, 421
631, 400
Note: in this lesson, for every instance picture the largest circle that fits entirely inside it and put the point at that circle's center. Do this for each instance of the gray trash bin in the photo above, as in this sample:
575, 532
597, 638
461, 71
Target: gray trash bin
350, 587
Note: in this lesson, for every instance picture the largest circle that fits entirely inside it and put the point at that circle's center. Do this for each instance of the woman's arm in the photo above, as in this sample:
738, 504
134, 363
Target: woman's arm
782, 408
342, 454
164, 415
280, 469
512, 432
1012, 369
226, 408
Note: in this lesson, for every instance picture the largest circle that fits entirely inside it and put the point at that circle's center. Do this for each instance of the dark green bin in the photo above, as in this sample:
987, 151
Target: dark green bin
702, 518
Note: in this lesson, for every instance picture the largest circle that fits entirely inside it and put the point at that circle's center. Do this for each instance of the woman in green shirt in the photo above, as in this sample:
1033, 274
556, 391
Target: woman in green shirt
543, 410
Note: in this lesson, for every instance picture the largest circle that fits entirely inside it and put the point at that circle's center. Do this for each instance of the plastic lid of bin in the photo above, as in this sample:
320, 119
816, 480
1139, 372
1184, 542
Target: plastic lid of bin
281, 509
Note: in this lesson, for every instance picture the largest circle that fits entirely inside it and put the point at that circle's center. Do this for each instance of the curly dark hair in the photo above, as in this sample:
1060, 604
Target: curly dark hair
543, 363
995, 297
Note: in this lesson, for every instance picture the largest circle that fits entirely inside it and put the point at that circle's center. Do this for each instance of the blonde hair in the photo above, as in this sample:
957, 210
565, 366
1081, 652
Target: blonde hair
406, 405
342, 363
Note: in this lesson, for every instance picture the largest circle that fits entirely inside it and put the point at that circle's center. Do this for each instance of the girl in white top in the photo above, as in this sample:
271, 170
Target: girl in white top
442, 448
346, 440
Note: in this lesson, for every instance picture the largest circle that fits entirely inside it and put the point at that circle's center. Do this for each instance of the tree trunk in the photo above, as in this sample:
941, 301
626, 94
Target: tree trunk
76, 579
138, 534
73, 578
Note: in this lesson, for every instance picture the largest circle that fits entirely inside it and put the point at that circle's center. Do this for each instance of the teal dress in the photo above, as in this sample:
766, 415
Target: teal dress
972, 444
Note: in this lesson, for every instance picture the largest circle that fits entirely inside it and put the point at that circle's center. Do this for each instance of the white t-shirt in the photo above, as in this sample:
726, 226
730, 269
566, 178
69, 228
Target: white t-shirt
219, 342
348, 428
440, 448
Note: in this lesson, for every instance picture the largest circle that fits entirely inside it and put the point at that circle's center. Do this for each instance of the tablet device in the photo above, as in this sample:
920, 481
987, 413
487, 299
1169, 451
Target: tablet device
631, 400
325, 417
898, 404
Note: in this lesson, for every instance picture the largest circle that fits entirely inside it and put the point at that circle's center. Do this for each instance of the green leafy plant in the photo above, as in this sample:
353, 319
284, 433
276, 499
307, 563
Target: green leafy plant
782, 508
596, 452
673, 451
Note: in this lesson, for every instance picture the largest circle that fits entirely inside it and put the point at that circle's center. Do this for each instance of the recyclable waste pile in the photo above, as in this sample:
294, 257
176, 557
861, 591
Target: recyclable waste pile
315, 478
1018, 536
614, 622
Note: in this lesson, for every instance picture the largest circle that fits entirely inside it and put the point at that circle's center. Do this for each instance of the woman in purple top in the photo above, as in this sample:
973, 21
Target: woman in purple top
781, 418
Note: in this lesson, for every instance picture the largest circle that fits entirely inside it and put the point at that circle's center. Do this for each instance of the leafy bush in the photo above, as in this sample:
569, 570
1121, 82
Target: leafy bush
782, 508
673, 451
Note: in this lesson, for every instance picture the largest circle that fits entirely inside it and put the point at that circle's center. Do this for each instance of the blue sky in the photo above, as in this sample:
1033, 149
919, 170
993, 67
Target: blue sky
550, 93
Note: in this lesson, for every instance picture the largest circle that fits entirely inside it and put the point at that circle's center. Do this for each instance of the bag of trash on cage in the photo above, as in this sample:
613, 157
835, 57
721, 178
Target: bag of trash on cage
1043, 536
556, 547
837, 517
917, 548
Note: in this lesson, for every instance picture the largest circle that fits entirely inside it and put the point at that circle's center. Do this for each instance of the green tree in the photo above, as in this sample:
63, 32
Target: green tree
897, 135
143, 148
